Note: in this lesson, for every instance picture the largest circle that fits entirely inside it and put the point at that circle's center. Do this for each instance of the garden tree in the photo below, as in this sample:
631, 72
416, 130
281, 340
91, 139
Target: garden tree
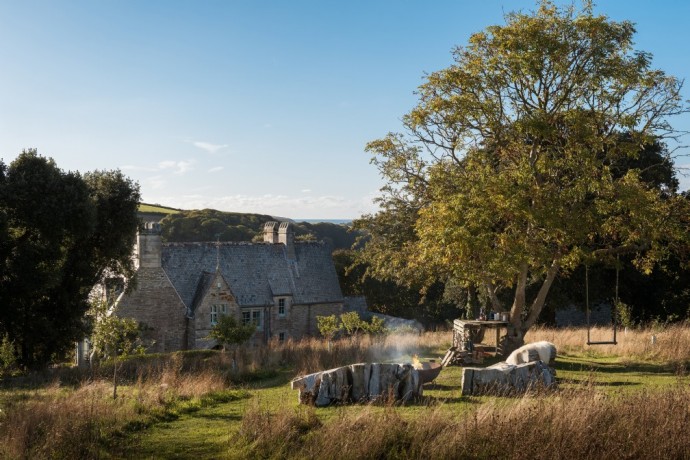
350, 323
228, 331
329, 327
507, 174
113, 338
60, 232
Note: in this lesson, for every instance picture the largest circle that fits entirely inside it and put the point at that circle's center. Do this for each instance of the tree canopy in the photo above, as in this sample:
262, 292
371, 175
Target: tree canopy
60, 232
522, 161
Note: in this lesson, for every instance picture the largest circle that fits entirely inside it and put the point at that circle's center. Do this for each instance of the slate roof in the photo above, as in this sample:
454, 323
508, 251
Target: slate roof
255, 272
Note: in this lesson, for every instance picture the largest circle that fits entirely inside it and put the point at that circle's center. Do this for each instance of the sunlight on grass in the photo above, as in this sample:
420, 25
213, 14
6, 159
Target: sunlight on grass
189, 405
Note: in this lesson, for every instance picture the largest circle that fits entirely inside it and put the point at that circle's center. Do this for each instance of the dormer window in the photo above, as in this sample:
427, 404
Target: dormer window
281, 307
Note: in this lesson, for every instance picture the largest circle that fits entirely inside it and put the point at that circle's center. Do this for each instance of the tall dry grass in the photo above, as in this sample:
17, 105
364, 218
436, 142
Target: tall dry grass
572, 425
65, 422
669, 343
315, 354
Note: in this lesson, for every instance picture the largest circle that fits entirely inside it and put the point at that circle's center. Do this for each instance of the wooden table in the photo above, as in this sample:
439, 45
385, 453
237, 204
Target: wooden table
461, 325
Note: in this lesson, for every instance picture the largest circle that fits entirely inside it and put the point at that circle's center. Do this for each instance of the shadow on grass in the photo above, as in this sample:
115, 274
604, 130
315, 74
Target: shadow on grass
581, 365
440, 387
585, 382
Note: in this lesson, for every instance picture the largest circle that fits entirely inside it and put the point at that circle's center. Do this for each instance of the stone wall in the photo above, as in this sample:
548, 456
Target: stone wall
155, 304
302, 320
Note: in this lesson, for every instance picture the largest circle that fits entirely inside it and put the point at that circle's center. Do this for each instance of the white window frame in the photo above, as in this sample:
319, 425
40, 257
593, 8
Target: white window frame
214, 315
216, 310
282, 307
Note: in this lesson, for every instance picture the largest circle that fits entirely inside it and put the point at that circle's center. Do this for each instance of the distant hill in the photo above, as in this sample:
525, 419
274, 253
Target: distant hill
155, 212
178, 225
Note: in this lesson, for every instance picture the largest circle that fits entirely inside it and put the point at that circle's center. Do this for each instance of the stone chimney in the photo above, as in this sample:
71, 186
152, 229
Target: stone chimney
271, 232
149, 245
287, 236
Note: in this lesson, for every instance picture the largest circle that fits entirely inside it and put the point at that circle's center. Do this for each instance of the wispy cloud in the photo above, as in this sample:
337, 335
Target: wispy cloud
216, 169
306, 190
209, 147
137, 168
178, 167
155, 182
326, 206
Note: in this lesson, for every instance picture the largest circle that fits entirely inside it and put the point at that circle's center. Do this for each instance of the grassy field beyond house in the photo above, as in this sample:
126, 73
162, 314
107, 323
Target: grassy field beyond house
627, 401
157, 209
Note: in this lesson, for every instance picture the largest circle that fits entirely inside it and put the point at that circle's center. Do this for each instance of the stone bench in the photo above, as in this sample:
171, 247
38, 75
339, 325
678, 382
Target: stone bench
507, 378
359, 383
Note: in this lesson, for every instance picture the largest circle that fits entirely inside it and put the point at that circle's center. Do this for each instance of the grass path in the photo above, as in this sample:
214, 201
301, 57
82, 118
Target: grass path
209, 431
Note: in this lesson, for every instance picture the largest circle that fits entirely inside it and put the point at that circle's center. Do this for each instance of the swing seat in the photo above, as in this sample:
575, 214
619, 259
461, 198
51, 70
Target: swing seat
602, 343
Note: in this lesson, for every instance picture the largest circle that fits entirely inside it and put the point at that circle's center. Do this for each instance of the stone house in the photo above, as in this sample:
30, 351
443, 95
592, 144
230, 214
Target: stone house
182, 288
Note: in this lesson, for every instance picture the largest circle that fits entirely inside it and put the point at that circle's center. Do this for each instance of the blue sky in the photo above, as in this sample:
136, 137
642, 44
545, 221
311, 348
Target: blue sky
247, 106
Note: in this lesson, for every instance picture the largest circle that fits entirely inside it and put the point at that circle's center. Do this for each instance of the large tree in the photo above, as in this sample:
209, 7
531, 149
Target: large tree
519, 161
60, 232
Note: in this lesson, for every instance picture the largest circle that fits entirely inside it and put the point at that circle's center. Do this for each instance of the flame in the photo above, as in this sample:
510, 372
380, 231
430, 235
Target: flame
416, 363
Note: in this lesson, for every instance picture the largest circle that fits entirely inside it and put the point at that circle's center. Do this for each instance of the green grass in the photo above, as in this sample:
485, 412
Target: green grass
158, 209
208, 430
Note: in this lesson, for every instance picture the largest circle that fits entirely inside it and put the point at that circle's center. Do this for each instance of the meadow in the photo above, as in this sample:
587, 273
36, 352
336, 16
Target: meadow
630, 400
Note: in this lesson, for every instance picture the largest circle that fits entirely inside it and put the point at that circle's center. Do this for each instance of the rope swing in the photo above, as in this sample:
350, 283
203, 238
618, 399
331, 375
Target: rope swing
615, 306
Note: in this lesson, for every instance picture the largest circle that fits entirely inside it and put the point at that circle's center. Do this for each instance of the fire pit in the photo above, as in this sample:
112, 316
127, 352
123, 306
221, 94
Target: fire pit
428, 371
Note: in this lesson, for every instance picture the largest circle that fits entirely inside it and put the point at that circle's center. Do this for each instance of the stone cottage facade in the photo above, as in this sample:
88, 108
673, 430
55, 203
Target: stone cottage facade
183, 288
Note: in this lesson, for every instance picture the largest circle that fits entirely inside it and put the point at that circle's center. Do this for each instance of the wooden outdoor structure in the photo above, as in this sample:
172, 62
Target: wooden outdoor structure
463, 329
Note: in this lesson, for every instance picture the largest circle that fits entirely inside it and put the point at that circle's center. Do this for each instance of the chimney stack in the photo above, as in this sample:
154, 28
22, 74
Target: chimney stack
287, 236
149, 245
271, 232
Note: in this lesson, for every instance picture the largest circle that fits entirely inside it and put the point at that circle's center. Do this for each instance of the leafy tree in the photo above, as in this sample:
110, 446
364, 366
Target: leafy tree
114, 338
352, 323
60, 232
228, 331
329, 327
510, 172
375, 326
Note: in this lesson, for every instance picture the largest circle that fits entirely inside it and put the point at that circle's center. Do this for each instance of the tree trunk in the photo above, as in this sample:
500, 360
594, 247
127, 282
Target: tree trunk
519, 325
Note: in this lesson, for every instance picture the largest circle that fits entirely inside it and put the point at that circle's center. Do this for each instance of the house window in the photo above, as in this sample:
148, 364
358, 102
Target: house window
256, 319
281, 337
253, 316
214, 315
216, 310
281, 307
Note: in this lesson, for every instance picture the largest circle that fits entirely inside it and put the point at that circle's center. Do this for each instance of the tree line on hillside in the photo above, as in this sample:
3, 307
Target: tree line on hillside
213, 225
